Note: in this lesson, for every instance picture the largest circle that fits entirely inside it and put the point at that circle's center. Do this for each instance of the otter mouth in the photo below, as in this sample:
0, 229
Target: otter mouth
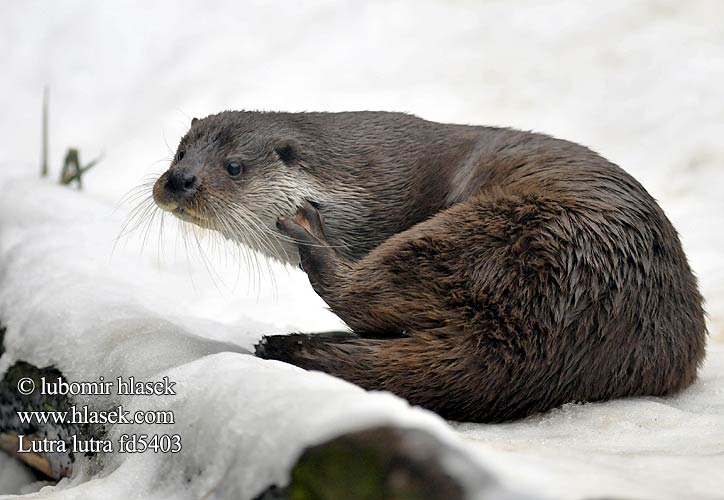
182, 213
187, 216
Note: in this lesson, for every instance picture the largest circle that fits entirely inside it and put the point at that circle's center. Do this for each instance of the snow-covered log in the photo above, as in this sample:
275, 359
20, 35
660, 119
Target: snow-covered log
377, 462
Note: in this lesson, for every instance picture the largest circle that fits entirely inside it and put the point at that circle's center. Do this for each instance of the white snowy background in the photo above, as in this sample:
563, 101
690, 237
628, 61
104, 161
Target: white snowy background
638, 81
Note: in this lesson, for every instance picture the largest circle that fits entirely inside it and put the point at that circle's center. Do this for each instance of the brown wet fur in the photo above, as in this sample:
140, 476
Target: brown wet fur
488, 274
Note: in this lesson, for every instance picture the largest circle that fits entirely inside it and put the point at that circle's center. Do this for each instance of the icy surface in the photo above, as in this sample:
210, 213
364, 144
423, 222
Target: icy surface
638, 81
13, 475
643, 448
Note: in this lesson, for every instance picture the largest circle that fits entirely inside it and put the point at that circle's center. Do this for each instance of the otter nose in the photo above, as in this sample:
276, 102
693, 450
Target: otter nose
182, 182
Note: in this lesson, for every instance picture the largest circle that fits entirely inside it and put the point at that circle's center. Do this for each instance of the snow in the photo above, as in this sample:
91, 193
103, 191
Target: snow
638, 81
13, 475
644, 447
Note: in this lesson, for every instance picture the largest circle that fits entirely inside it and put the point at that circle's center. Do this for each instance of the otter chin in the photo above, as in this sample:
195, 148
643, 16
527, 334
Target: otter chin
486, 273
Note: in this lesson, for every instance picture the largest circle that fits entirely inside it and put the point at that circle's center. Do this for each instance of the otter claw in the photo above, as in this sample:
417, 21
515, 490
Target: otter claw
306, 226
309, 217
314, 254
296, 231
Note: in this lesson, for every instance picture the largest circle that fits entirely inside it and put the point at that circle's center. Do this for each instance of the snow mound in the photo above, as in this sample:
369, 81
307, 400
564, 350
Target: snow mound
243, 421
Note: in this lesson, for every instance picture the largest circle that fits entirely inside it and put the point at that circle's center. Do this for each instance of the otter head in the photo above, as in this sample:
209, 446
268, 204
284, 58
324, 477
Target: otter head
237, 173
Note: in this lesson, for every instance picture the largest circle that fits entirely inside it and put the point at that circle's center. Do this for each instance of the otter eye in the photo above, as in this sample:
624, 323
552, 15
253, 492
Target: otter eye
180, 155
233, 168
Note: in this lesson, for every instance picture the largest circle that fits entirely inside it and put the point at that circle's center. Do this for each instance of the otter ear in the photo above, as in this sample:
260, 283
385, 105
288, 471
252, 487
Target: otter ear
287, 150
193, 121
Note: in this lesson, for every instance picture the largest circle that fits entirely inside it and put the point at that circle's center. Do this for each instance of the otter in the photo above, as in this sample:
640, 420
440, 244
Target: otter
485, 273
